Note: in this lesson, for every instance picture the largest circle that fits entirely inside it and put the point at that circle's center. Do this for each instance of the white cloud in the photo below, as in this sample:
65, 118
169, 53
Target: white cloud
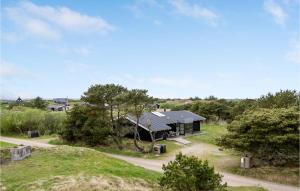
276, 11
7, 70
194, 10
50, 22
294, 54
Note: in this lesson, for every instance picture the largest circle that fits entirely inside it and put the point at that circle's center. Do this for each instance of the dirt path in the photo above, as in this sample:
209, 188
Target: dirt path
33, 143
155, 164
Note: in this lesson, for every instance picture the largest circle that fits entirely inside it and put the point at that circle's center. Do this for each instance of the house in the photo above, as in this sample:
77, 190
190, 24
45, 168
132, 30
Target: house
19, 100
57, 107
167, 124
63, 101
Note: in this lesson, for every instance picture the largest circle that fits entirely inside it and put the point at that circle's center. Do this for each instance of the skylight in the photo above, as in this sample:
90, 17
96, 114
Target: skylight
158, 114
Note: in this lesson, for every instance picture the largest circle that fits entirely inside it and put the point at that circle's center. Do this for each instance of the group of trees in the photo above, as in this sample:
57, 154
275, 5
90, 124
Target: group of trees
267, 129
216, 110
102, 116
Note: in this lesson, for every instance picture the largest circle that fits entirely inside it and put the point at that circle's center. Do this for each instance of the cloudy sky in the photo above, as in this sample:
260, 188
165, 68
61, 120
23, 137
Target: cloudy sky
173, 48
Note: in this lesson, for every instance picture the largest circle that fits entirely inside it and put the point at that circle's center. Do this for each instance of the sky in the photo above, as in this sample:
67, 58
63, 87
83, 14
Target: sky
173, 48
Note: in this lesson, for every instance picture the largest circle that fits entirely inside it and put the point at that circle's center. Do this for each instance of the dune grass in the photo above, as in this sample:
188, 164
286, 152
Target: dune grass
44, 164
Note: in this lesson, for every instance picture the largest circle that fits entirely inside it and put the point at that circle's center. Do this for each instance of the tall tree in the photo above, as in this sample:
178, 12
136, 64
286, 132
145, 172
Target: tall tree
108, 97
137, 102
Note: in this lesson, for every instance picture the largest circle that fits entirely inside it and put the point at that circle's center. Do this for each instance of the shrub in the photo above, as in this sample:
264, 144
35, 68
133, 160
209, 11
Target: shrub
86, 124
190, 174
20, 120
270, 135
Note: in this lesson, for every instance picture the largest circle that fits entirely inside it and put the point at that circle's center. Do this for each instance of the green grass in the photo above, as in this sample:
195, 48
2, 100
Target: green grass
129, 149
44, 164
246, 188
209, 133
6, 145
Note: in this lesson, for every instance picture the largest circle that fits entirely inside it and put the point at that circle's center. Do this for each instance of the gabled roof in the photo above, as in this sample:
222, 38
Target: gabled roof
149, 119
183, 116
60, 100
159, 121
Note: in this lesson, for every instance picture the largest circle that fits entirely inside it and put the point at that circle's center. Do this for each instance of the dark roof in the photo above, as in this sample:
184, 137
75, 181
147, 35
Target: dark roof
159, 121
60, 100
183, 116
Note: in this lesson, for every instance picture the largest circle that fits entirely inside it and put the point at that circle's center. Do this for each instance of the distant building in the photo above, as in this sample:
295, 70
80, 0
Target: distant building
57, 107
63, 101
19, 100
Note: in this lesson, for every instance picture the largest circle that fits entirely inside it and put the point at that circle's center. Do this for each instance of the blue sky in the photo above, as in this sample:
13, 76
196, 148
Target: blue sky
173, 48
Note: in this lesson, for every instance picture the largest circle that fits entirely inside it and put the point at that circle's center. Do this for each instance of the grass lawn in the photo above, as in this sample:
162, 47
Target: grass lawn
6, 145
47, 167
210, 133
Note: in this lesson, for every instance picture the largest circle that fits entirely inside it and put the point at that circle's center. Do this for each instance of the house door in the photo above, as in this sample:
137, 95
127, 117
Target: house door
181, 129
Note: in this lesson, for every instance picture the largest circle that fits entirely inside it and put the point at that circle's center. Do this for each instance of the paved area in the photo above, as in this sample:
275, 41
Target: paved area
231, 179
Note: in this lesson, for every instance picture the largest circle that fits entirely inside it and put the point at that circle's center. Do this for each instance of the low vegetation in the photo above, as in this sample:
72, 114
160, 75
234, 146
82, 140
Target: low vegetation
48, 168
19, 120
270, 136
190, 173
209, 133
6, 145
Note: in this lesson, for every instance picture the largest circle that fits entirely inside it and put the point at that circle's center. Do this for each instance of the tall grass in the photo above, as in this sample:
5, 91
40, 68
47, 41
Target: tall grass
21, 120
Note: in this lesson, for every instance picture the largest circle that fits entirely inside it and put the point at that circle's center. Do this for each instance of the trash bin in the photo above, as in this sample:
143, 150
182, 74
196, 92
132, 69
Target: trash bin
246, 162
32, 134
157, 149
163, 148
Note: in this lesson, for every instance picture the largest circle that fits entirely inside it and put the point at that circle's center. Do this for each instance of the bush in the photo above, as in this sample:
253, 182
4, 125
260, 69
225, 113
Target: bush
190, 174
20, 120
86, 124
271, 136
